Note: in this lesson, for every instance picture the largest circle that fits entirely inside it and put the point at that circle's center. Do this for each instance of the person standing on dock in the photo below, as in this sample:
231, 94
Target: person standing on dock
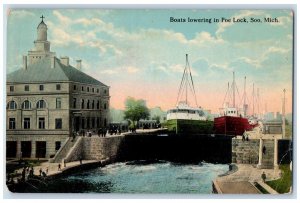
263, 177
59, 167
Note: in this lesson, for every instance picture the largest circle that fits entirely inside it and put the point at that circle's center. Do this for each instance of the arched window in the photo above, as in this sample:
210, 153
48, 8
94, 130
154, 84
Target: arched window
26, 105
82, 104
88, 104
41, 104
98, 104
93, 104
12, 105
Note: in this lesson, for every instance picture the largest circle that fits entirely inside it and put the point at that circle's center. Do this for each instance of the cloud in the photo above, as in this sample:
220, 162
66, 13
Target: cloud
20, 13
222, 26
120, 70
131, 69
109, 72
205, 38
283, 21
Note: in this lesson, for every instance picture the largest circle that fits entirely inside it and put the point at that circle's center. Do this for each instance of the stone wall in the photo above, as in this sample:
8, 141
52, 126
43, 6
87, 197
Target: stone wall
245, 152
95, 148
76, 151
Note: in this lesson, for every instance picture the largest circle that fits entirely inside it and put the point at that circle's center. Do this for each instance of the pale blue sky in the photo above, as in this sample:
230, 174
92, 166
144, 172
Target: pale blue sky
140, 53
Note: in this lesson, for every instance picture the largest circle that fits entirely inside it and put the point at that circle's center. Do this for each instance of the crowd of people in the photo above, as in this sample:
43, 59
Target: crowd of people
28, 172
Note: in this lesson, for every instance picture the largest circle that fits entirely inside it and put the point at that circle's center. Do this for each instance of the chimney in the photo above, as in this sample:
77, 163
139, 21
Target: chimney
64, 60
25, 62
52, 62
78, 66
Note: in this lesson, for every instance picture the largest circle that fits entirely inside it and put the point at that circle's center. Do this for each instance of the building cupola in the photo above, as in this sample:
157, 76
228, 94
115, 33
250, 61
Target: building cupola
42, 31
41, 45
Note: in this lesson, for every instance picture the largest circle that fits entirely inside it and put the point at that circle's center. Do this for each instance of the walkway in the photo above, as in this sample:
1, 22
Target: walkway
242, 180
53, 167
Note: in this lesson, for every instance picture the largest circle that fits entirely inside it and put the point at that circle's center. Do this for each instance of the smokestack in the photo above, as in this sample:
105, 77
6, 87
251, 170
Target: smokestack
64, 60
78, 64
25, 62
53, 62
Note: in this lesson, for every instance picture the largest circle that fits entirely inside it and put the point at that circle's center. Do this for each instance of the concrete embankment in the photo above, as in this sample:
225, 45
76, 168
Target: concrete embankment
242, 181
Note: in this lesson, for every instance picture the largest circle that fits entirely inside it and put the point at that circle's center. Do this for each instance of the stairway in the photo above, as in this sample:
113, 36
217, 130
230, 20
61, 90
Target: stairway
268, 157
62, 153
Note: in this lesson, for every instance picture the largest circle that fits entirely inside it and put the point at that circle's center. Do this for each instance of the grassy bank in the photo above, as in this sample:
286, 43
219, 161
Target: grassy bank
283, 184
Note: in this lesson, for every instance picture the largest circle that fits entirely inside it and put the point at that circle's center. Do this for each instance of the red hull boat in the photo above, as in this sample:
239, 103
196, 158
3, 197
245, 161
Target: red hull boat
231, 125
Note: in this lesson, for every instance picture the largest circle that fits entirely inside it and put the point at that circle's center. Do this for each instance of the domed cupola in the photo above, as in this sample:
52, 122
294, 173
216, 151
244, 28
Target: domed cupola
42, 31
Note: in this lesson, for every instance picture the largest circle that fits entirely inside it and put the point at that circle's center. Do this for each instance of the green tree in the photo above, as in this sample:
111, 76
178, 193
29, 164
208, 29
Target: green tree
136, 110
157, 118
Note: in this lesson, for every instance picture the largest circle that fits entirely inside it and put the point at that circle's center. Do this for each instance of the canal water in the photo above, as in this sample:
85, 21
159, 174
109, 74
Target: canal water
141, 177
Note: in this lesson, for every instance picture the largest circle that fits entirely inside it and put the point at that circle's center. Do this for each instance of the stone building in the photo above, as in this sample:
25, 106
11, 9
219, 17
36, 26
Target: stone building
48, 100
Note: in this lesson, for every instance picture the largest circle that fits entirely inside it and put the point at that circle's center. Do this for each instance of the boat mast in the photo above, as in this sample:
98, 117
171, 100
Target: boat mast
233, 92
283, 115
253, 100
186, 84
245, 108
258, 114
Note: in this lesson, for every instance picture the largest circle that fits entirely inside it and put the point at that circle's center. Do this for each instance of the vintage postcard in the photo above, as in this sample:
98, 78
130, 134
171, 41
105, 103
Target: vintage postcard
149, 101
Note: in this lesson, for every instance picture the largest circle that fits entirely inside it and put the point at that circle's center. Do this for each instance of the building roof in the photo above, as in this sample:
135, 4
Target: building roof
41, 71
42, 25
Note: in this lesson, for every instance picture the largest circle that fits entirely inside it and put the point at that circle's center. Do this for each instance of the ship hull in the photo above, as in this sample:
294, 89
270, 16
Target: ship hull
230, 125
184, 126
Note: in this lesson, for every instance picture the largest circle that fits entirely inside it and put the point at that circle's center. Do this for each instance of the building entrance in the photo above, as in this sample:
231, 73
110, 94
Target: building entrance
26, 149
40, 149
11, 149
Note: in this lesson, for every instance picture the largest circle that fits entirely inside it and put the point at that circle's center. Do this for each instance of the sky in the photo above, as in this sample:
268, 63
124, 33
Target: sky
140, 53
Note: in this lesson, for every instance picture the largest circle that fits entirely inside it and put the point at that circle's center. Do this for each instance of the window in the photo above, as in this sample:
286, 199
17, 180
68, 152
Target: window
105, 91
12, 123
83, 123
26, 105
93, 104
58, 103
41, 123
57, 145
58, 87
26, 123
58, 123
11, 88
97, 90
98, 104
105, 122
41, 104
12, 105
88, 123
41, 87
82, 104
26, 88
104, 106
88, 104
93, 123
74, 87
93, 90
82, 88
98, 122
88, 89
74, 103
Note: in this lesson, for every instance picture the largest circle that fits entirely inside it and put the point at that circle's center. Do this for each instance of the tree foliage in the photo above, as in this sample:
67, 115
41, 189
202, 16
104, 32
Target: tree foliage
136, 110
